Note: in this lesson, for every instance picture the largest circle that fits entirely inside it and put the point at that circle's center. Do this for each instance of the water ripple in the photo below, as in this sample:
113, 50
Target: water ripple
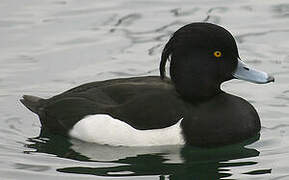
240, 38
281, 10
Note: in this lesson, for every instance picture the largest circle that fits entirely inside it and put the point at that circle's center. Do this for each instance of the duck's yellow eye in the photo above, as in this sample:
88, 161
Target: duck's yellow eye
217, 54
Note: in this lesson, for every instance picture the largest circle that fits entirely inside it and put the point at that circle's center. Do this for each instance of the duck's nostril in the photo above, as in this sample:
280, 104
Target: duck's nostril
246, 68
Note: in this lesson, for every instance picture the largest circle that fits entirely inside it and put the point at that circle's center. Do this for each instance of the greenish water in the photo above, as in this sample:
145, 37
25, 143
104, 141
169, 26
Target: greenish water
49, 46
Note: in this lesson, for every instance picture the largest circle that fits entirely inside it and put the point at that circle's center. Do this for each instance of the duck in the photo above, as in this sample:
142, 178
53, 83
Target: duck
188, 107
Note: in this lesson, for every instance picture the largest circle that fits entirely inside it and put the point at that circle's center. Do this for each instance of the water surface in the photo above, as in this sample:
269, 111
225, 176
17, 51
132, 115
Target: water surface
50, 46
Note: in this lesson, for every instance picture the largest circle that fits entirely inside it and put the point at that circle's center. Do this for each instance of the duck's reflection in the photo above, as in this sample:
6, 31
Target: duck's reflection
177, 162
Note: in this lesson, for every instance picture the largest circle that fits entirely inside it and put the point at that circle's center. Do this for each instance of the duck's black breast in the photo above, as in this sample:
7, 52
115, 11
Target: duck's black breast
142, 102
223, 119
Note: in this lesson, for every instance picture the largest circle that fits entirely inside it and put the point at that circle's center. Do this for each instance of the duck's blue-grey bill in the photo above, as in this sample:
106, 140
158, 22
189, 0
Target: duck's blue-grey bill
247, 73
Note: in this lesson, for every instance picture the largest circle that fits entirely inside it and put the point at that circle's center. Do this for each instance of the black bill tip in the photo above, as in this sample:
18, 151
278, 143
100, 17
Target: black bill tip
271, 79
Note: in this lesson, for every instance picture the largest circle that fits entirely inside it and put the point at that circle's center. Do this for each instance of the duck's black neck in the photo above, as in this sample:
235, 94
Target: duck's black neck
197, 92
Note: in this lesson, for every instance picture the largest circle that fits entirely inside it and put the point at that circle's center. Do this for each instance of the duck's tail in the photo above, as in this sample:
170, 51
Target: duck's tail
33, 103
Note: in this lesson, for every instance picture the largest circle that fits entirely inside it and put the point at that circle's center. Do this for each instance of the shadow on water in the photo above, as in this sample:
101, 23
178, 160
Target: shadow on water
176, 162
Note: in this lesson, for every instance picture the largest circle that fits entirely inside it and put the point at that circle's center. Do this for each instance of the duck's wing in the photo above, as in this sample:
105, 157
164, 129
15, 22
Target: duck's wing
143, 103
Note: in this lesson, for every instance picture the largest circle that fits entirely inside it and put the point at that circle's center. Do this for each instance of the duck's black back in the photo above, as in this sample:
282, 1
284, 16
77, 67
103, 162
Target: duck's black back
142, 102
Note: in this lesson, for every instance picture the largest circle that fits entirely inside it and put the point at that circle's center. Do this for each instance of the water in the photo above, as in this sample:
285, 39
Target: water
50, 46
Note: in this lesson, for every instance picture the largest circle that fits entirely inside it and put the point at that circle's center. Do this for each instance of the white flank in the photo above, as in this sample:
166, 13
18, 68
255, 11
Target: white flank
103, 129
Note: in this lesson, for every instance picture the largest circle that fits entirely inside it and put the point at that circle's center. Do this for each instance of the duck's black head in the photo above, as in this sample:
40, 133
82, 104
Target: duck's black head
202, 56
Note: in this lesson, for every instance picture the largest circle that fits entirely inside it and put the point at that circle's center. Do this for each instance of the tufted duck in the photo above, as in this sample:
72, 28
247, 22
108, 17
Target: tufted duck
188, 108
